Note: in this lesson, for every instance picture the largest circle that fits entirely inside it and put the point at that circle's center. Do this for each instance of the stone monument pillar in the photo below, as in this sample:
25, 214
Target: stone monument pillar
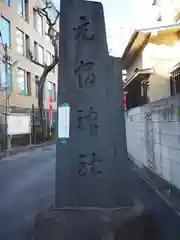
92, 163
93, 179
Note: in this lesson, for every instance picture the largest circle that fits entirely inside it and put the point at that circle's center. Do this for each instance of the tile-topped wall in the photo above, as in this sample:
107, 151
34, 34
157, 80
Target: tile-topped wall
153, 137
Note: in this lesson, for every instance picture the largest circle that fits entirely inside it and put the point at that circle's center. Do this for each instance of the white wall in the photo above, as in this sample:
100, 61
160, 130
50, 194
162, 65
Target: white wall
153, 137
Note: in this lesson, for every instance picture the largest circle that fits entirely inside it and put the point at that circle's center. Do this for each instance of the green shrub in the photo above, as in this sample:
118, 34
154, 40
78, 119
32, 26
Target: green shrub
50, 137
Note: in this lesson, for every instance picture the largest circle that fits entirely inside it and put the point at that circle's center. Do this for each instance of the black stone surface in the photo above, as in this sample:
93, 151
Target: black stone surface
92, 167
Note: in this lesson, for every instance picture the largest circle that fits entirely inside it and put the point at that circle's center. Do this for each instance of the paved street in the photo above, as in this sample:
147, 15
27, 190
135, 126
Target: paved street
168, 221
27, 185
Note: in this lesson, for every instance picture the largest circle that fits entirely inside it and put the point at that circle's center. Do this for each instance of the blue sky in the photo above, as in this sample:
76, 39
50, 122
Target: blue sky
124, 12
127, 14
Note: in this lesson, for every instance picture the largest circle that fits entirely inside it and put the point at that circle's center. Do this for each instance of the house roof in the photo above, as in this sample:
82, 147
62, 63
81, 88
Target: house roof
139, 74
175, 68
141, 37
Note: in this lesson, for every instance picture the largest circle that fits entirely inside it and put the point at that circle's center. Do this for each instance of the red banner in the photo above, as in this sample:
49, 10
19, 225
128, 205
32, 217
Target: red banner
125, 100
50, 107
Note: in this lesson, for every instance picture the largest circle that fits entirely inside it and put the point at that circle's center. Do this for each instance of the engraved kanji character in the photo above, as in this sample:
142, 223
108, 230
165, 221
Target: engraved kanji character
82, 30
85, 74
94, 161
85, 167
91, 118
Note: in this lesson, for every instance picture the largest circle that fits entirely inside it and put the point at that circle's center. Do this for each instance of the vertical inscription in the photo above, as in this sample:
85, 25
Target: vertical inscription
88, 165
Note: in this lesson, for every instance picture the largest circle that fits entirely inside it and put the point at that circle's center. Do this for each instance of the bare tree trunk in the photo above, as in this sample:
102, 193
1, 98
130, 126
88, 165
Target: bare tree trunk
54, 37
41, 110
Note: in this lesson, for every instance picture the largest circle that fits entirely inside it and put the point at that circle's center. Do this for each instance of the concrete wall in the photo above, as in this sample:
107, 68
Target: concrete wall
153, 137
16, 21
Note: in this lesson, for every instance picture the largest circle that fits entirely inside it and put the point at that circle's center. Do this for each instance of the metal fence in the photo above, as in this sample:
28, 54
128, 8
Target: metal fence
24, 139
50, 125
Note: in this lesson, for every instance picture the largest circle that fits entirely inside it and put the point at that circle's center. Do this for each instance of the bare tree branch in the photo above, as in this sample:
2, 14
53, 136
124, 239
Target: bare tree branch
39, 64
54, 37
57, 16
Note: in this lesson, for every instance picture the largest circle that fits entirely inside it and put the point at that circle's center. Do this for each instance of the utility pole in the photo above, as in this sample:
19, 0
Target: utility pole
7, 68
33, 124
6, 59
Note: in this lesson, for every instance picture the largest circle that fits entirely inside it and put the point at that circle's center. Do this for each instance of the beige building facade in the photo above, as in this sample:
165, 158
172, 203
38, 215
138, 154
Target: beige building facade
24, 30
149, 63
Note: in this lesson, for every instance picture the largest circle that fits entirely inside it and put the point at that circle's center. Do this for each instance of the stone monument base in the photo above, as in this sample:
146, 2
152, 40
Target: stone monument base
91, 224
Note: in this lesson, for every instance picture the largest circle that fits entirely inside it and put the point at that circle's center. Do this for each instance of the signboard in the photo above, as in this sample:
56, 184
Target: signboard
63, 121
17, 124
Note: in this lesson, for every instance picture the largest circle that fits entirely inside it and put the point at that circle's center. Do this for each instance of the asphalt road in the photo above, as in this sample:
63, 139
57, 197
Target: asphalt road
27, 186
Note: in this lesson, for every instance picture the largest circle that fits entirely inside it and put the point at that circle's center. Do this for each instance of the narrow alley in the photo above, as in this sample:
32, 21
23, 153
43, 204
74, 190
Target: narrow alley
26, 185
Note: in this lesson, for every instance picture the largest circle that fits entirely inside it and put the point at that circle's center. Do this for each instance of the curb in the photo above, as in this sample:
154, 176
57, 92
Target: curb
160, 195
16, 151
166, 191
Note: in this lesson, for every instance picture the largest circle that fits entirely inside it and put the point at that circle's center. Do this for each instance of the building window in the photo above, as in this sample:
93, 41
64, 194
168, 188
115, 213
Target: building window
175, 83
46, 31
53, 31
6, 1
20, 41
38, 53
28, 80
38, 22
52, 90
27, 11
5, 78
22, 82
28, 51
145, 91
19, 5
34, 18
36, 86
49, 58
5, 31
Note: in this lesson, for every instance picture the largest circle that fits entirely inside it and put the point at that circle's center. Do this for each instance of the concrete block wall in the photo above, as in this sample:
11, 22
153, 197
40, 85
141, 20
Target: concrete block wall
153, 137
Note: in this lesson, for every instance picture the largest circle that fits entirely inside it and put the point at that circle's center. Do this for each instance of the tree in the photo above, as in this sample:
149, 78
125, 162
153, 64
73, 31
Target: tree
54, 37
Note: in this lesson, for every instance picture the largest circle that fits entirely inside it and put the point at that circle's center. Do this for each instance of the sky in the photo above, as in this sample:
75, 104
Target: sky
122, 17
